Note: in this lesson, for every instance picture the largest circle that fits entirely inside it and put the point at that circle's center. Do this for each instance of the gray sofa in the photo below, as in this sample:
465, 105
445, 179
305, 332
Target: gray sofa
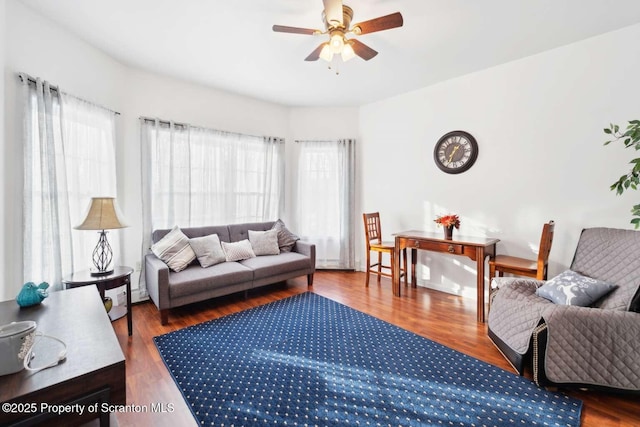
595, 346
169, 289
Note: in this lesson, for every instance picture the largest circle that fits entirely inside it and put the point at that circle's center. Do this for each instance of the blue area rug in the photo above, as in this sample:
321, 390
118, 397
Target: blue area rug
308, 360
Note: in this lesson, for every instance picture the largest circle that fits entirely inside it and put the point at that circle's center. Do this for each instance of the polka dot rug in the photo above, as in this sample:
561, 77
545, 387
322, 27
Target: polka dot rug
310, 361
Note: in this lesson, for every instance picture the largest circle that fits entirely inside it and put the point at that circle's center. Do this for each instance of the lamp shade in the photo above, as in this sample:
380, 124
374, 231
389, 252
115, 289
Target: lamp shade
103, 214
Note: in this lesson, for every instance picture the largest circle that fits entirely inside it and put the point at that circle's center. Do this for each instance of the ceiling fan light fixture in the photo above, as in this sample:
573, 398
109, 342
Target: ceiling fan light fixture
337, 42
337, 18
347, 52
326, 53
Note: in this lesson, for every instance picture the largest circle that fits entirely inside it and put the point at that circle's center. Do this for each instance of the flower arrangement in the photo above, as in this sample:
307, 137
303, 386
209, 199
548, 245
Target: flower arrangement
448, 220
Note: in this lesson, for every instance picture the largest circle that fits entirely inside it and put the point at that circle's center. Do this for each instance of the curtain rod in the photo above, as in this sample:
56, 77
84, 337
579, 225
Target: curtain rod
33, 80
324, 140
185, 125
164, 122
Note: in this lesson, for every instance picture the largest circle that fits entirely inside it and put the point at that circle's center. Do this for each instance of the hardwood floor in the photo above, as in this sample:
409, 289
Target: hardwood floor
444, 318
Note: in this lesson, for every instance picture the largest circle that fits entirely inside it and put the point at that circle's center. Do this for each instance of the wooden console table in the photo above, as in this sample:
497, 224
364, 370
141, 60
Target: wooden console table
92, 374
476, 248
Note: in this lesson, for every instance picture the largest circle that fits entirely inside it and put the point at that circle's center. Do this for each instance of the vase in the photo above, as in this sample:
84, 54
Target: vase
448, 232
108, 303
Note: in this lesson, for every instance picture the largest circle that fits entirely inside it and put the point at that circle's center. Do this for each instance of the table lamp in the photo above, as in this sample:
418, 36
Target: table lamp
103, 214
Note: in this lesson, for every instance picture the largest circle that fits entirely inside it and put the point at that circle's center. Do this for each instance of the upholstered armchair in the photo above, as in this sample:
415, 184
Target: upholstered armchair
582, 327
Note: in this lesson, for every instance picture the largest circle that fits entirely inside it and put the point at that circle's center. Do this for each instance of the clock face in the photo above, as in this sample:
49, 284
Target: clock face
455, 152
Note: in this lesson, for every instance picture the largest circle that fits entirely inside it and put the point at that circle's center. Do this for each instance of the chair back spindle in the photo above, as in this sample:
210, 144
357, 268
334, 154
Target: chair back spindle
373, 240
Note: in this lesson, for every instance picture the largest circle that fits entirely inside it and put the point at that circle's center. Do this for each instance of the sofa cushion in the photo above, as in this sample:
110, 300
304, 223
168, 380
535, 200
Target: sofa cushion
273, 265
174, 250
196, 279
237, 251
571, 288
286, 239
264, 242
208, 250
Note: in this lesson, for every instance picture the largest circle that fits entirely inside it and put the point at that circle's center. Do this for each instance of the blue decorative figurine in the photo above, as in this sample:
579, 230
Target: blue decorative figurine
30, 294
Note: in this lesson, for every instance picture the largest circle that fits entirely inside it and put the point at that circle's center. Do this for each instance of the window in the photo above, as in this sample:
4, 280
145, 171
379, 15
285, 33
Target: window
200, 176
69, 156
195, 176
325, 198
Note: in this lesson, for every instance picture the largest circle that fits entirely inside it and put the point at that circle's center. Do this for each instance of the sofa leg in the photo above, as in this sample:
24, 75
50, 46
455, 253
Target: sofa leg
164, 317
309, 280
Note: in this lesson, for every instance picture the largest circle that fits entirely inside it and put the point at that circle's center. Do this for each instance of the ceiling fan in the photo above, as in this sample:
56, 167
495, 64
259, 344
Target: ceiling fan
337, 22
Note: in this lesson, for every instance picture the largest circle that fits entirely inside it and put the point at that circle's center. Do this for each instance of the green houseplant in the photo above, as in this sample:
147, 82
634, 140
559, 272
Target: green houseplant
630, 138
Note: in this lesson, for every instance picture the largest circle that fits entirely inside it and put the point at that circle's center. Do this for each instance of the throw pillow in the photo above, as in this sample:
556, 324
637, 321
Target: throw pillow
571, 288
237, 251
264, 242
286, 239
174, 250
208, 250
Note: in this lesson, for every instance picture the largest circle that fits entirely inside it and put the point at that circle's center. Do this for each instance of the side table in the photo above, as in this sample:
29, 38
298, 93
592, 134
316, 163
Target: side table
121, 276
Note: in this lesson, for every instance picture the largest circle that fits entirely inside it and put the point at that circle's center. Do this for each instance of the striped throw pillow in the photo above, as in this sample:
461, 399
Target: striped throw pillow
174, 250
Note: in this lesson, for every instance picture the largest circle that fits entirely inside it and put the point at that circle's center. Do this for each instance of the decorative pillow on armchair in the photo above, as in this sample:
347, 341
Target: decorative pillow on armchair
264, 242
571, 288
237, 251
174, 250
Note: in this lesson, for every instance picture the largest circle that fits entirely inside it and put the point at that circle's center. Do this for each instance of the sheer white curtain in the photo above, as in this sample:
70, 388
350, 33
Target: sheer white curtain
68, 157
234, 177
325, 200
88, 135
47, 251
194, 176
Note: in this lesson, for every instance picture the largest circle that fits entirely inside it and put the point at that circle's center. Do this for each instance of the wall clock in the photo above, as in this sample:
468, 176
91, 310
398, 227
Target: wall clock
455, 152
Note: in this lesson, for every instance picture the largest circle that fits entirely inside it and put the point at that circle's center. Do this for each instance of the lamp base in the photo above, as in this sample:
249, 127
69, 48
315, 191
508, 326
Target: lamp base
102, 256
96, 273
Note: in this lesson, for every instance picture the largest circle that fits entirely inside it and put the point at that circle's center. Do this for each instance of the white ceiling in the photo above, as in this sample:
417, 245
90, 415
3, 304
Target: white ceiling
229, 44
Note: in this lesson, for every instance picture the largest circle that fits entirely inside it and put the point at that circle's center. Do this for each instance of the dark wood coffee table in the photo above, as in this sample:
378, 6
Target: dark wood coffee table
93, 372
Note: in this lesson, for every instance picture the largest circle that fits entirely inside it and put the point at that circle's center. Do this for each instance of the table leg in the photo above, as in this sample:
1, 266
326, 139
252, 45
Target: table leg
414, 262
480, 282
395, 279
129, 308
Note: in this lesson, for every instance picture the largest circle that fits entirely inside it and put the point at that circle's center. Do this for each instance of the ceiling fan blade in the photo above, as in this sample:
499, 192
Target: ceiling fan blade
362, 50
294, 30
333, 12
378, 24
313, 56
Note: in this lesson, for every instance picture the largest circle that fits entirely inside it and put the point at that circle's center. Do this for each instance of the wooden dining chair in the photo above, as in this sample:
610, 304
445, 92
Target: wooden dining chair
373, 239
536, 268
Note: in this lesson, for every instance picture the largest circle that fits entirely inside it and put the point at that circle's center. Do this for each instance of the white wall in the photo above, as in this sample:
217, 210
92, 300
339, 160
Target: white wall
538, 122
